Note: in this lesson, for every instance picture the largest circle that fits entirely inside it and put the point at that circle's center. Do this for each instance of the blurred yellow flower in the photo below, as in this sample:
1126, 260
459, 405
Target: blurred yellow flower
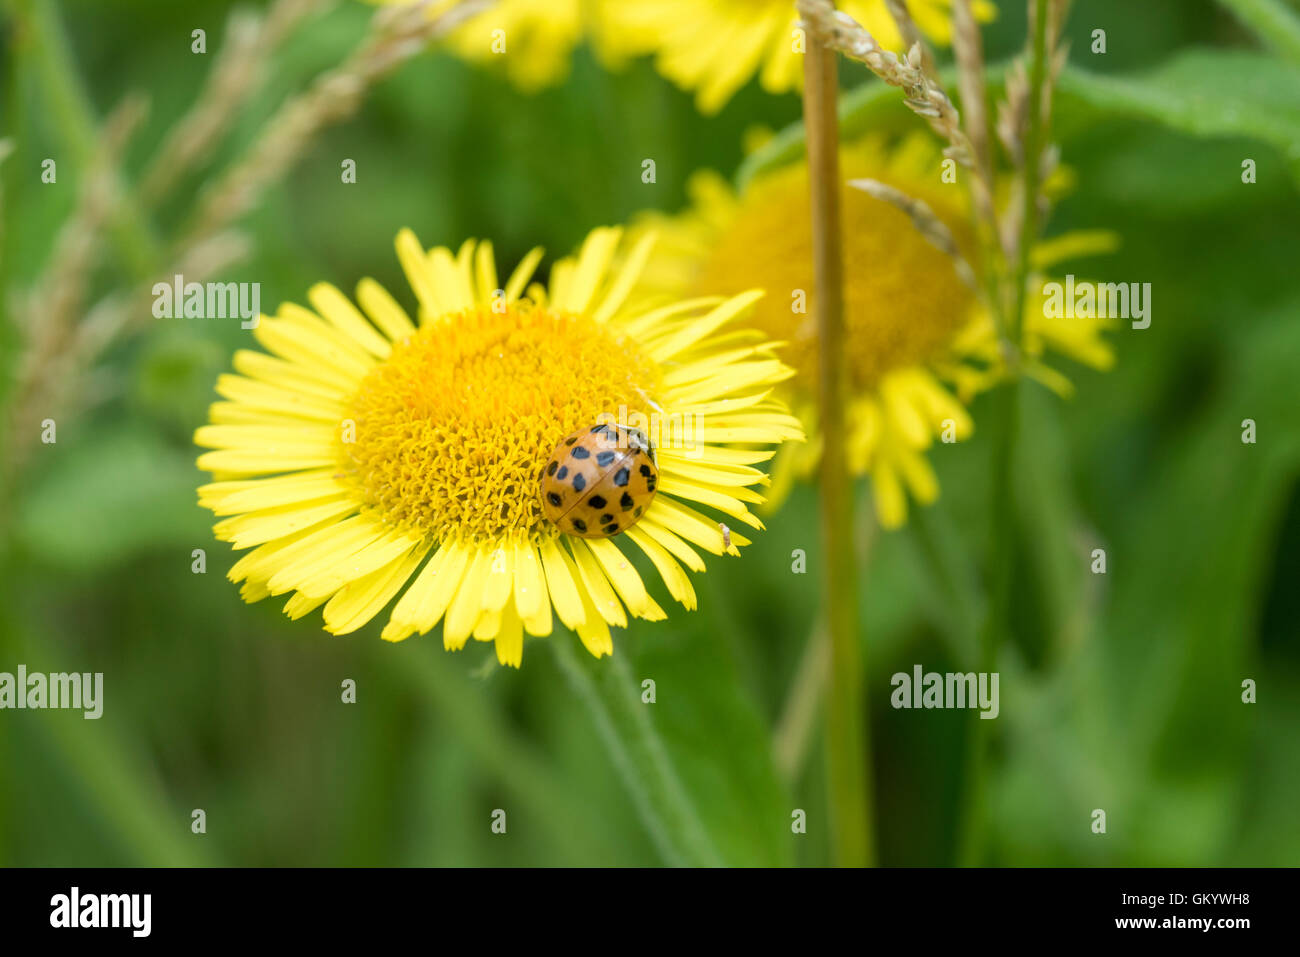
533, 40
713, 47
367, 456
920, 344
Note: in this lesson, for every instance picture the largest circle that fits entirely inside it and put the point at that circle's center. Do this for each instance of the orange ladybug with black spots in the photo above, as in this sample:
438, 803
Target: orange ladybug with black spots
599, 481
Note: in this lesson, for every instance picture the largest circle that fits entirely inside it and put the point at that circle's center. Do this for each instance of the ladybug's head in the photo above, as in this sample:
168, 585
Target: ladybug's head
610, 435
637, 439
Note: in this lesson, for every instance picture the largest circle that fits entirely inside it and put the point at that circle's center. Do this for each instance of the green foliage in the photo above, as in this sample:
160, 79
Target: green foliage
114, 496
1208, 93
1272, 21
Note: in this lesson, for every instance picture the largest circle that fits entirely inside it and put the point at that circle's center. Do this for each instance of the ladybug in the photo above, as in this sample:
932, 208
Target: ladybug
599, 481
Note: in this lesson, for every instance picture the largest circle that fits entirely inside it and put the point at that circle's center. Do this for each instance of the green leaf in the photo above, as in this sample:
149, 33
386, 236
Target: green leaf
1147, 720
1205, 93
115, 495
1209, 93
173, 378
1272, 22
869, 106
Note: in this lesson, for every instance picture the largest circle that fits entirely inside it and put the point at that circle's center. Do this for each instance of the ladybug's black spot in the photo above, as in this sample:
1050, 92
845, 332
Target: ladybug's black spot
581, 452
598, 429
626, 501
550, 469
606, 518
611, 528
638, 511
579, 482
620, 477
564, 473
604, 458
596, 501
570, 440
579, 525
553, 498
649, 485
646, 470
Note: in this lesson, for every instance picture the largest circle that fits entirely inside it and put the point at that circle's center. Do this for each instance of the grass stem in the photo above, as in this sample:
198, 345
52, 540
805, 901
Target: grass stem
848, 738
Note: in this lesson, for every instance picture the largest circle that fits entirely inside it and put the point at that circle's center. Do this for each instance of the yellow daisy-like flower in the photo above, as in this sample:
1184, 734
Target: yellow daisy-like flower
714, 46
920, 344
533, 39
367, 456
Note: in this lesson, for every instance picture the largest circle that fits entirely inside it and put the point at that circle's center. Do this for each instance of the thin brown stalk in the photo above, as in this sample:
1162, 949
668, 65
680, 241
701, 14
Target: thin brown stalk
396, 34
58, 364
929, 225
111, 316
924, 95
1045, 59
250, 43
47, 311
1013, 110
848, 741
968, 49
911, 34
56, 293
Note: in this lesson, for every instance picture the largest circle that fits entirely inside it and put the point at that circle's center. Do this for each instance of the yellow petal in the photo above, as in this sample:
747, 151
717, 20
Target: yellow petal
510, 639
468, 603
597, 586
255, 528
678, 582
499, 581
384, 311
530, 581
416, 266
562, 584
360, 601
523, 272
625, 579
593, 261
706, 325
427, 599
674, 544
340, 313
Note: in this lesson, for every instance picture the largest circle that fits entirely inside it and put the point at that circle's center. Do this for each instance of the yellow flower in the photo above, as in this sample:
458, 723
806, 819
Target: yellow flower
533, 39
367, 457
920, 344
714, 46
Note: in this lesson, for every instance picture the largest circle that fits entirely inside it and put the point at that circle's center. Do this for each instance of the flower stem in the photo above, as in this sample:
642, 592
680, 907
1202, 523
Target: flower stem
1035, 136
848, 739
639, 755
972, 828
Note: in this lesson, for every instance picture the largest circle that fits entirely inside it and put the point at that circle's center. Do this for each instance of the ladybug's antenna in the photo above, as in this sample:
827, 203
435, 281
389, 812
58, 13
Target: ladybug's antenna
649, 401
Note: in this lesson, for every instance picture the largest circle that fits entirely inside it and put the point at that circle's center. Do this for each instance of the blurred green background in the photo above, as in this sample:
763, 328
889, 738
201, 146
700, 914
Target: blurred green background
1120, 692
